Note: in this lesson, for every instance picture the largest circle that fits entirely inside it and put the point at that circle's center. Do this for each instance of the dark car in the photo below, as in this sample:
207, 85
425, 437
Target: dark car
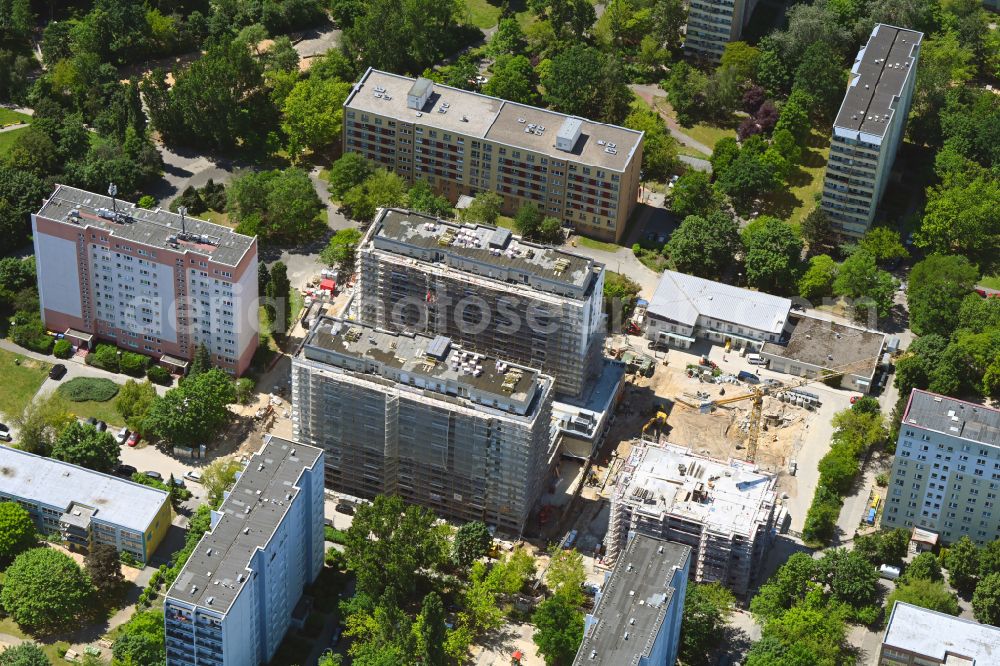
57, 372
125, 470
101, 426
91, 422
154, 475
344, 508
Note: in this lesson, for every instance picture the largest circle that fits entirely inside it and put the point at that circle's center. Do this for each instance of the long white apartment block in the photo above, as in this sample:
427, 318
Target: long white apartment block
869, 128
465, 434
725, 511
149, 281
488, 290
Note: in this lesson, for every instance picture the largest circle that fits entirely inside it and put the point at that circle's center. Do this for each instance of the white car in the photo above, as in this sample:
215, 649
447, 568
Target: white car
193, 475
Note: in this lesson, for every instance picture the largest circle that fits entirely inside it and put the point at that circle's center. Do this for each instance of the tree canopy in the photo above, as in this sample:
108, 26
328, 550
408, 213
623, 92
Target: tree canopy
45, 590
705, 246
773, 254
17, 530
84, 445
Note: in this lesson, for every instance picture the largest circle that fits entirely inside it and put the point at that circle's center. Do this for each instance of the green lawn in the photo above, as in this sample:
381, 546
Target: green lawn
596, 244
705, 133
22, 378
217, 218
8, 117
102, 411
7, 139
52, 650
990, 281
794, 203
485, 14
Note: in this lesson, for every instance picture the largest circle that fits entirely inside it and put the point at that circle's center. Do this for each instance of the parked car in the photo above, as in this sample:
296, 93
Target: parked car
122, 435
154, 475
4, 433
179, 483
193, 475
888, 572
133, 439
91, 422
748, 377
344, 508
125, 470
101, 426
57, 372
793, 467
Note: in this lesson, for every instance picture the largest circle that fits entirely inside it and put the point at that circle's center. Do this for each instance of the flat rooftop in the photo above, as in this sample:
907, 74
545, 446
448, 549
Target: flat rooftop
729, 498
938, 636
59, 484
219, 566
830, 345
437, 359
682, 298
484, 117
634, 600
877, 78
953, 417
481, 250
151, 228
582, 415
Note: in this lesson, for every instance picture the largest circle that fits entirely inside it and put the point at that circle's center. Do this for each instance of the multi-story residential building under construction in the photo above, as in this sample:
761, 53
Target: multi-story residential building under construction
869, 128
582, 172
724, 511
467, 435
495, 293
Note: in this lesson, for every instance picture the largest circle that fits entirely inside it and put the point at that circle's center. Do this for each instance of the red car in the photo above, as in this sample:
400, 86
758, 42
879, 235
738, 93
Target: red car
133, 439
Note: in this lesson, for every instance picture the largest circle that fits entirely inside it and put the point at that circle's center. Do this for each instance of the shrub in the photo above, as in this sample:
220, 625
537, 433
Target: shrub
133, 364
334, 535
147, 202
28, 331
104, 357
159, 375
244, 390
128, 559
882, 479
62, 349
88, 388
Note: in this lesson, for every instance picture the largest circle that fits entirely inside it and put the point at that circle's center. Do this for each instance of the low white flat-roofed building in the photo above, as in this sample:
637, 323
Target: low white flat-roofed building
85, 507
917, 636
725, 511
685, 308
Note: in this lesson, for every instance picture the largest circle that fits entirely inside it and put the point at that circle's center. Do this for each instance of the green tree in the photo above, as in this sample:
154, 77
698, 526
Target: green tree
17, 531
794, 116
924, 593
693, 195
817, 282
472, 541
349, 171
659, 149
513, 78
704, 246
86, 446
528, 221
485, 208
962, 220
706, 607
133, 402
194, 412
962, 563
218, 477
808, 633
884, 547
421, 198
620, 292
280, 290
724, 154
219, 101
558, 630
25, 654
749, 178
986, 600
924, 566
341, 249
853, 580
582, 81
773, 254
202, 361
390, 545
141, 640
936, 288
276, 205
821, 75
41, 422
424, 32
565, 575
669, 17
45, 590
429, 631
883, 244
861, 279
104, 567
508, 39
817, 229
686, 89
742, 59
313, 114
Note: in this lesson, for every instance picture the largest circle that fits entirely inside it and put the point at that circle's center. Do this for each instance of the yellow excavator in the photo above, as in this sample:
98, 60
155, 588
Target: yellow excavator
757, 394
659, 420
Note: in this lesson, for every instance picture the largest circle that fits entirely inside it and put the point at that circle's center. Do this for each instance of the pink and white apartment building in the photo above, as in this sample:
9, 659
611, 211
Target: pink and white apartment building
150, 281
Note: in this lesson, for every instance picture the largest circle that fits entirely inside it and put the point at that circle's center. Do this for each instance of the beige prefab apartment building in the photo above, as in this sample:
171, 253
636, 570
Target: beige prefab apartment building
712, 24
464, 434
582, 172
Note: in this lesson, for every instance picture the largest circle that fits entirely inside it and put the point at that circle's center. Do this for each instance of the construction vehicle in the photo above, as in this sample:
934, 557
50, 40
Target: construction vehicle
757, 394
659, 420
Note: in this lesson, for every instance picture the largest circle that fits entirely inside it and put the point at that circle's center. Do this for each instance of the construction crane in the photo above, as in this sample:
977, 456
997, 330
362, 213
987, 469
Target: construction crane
757, 394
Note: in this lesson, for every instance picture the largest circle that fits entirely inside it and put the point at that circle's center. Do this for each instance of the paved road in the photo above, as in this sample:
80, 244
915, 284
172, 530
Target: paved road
696, 163
335, 219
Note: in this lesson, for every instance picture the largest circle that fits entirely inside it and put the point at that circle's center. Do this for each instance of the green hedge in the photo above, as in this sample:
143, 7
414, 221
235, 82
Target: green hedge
62, 349
159, 375
133, 364
89, 388
104, 357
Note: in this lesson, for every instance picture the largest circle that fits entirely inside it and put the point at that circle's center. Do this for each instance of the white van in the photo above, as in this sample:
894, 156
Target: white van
756, 359
888, 572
